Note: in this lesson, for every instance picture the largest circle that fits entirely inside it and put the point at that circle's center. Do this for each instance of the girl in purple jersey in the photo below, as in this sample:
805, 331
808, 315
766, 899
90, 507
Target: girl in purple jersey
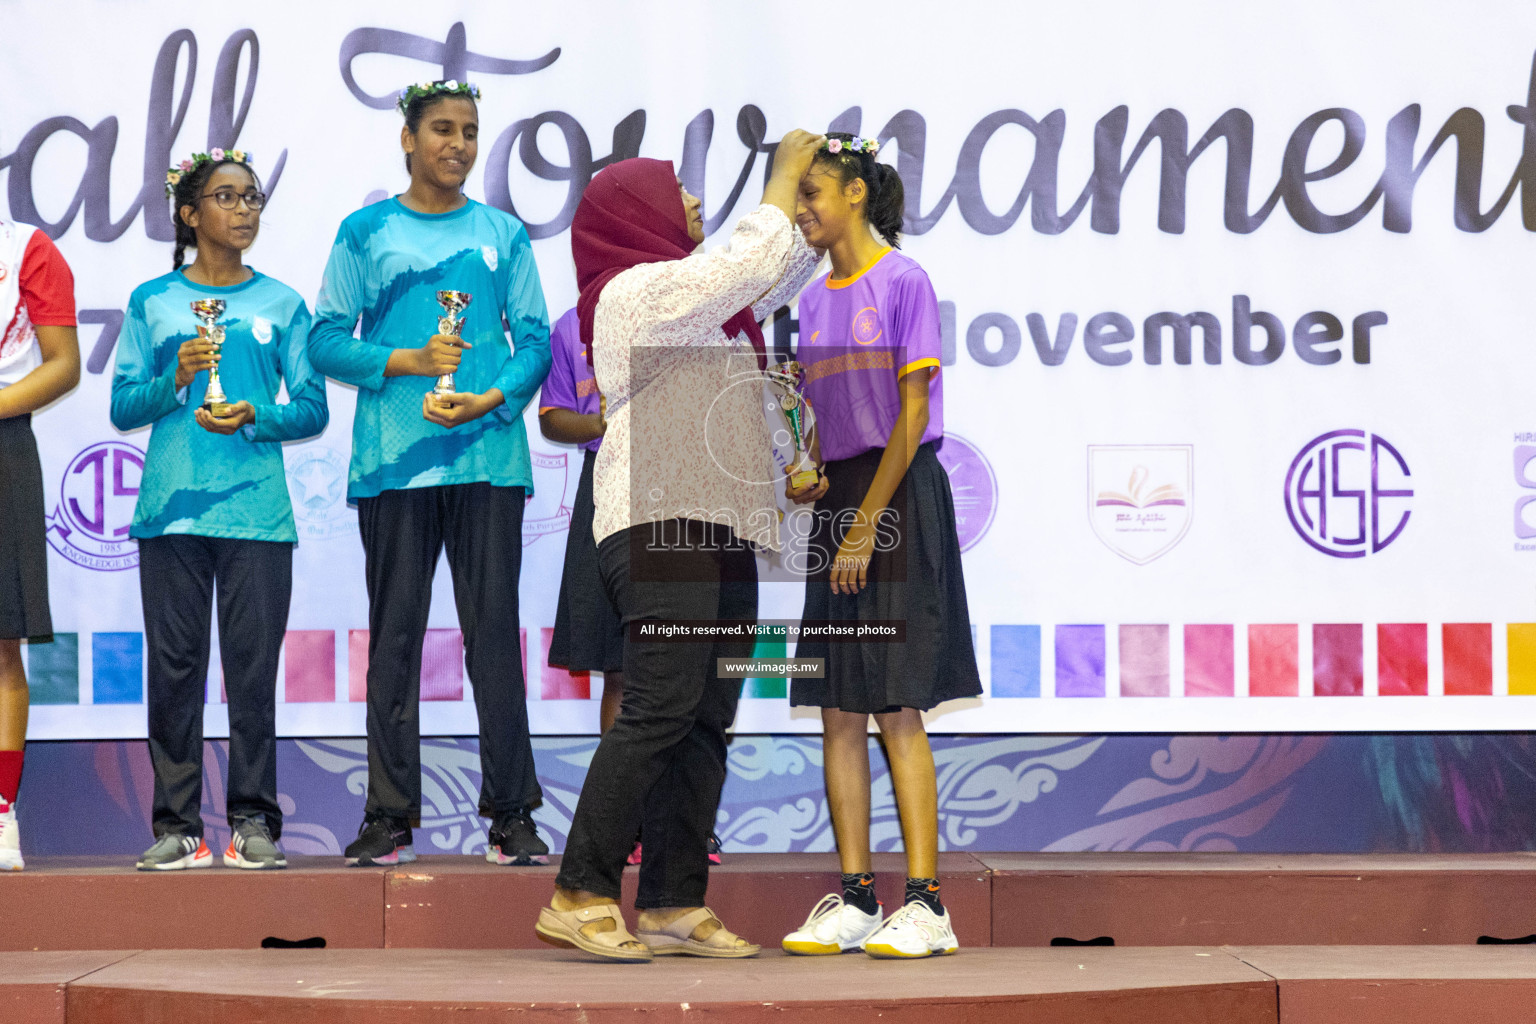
886, 542
587, 636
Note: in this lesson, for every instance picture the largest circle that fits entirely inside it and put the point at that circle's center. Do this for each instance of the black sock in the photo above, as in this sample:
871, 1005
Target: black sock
859, 891
925, 890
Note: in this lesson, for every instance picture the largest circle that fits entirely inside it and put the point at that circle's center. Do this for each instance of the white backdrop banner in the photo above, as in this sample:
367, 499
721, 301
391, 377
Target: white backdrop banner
1237, 341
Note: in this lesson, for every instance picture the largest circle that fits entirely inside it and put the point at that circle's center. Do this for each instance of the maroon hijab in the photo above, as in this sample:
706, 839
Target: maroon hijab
632, 213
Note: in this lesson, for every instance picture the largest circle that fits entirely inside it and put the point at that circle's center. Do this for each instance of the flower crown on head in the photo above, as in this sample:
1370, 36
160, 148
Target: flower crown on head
452, 87
216, 155
853, 145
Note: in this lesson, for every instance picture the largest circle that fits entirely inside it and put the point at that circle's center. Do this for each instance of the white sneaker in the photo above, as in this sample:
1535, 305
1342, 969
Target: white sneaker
10, 841
913, 931
833, 927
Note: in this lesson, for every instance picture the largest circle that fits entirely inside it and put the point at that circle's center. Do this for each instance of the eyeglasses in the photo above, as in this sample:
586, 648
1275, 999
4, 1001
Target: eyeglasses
228, 198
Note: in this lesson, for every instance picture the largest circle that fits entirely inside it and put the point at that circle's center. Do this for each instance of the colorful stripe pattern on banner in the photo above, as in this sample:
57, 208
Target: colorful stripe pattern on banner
1087, 660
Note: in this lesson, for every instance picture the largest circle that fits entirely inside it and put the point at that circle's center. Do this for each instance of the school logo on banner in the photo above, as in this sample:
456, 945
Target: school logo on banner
1348, 493
547, 512
1525, 502
317, 486
97, 495
1141, 497
973, 486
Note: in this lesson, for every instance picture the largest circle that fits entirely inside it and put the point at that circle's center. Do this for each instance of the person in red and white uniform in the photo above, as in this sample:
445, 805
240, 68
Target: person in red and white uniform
39, 362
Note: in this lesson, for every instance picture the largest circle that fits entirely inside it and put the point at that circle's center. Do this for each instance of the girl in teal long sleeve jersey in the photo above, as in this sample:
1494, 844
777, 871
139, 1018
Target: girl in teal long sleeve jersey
430, 472
213, 504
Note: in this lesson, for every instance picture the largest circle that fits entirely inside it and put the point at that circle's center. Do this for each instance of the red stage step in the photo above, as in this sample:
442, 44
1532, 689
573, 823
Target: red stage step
1042, 986
33, 985
1234, 985
1399, 984
102, 902
443, 902
1163, 899
447, 902
1178, 985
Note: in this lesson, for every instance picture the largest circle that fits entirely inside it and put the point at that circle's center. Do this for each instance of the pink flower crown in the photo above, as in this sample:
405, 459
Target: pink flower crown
216, 155
452, 87
853, 145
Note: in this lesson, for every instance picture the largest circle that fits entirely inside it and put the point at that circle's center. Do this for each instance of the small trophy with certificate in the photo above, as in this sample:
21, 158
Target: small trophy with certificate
789, 379
452, 325
208, 311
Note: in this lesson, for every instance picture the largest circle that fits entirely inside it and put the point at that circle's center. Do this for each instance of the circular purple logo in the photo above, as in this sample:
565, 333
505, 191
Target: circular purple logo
1348, 493
89, 526
973, 485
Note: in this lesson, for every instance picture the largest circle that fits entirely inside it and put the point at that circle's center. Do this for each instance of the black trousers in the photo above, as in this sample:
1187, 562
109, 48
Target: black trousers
659, 770
177, 573
403, 533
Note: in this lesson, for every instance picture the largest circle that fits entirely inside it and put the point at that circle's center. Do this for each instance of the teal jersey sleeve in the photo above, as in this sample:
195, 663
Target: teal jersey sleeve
305, 413
528, 320
142, 391
333, 349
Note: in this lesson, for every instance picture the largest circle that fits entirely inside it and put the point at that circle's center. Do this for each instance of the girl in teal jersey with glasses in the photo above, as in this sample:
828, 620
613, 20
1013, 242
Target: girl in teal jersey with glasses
213, 502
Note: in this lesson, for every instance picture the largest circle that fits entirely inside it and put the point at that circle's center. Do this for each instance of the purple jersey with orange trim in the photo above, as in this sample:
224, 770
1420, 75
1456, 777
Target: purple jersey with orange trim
570, 384
858, 337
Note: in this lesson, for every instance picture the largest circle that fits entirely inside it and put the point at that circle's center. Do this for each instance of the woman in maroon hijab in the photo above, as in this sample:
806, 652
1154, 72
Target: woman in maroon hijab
684, 488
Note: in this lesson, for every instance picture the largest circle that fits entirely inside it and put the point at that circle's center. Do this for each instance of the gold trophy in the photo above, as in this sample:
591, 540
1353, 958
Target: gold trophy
452, 302
208, 311
789, 379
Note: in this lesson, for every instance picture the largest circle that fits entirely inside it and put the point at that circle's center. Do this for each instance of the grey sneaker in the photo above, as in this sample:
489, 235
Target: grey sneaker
253, 848
173, 853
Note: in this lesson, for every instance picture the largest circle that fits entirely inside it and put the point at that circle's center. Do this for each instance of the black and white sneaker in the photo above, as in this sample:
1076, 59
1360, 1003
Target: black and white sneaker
381, 842
514, 839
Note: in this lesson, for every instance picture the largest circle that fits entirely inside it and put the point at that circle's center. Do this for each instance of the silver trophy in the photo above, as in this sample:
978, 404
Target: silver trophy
789, 379
449, 324
208, 311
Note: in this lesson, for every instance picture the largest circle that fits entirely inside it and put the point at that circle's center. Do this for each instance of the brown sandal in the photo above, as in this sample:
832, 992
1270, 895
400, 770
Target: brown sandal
563, 928
677, 938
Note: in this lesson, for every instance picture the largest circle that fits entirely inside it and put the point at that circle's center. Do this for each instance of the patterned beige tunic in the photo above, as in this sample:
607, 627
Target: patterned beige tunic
687, 429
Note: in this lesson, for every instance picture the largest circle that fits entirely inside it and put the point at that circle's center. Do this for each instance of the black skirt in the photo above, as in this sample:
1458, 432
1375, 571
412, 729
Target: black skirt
23, 545
588, 635
917, 580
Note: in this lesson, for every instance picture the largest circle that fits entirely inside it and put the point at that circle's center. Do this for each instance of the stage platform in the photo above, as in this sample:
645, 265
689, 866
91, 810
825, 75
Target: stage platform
443, 902
1178, 899
1180, 985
